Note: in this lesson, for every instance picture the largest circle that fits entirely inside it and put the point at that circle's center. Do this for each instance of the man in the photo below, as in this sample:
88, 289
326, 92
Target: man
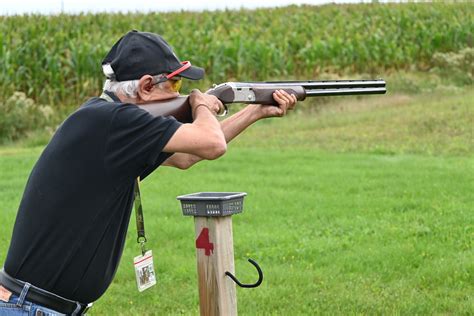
72, 221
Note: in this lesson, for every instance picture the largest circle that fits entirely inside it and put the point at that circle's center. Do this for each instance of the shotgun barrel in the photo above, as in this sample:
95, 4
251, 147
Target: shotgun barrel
324, 84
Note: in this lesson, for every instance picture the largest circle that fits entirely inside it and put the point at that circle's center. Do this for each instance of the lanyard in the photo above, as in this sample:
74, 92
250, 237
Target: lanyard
141, 239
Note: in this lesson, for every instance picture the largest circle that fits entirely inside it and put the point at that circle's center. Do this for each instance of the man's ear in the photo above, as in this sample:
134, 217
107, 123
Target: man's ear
145, 88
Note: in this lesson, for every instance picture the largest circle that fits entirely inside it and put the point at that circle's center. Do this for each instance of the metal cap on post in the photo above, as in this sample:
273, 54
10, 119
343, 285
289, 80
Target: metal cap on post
214, 248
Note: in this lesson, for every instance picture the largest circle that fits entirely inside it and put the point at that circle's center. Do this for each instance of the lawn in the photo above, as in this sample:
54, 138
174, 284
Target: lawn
363, 206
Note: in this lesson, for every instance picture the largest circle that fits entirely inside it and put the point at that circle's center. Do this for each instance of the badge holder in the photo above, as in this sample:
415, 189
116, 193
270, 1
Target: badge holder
144, 270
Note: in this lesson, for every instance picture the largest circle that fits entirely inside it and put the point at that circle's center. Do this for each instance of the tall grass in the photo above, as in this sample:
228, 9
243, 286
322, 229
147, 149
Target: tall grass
56, 59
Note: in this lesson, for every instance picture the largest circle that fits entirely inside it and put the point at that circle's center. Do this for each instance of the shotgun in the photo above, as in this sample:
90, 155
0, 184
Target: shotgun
262, 93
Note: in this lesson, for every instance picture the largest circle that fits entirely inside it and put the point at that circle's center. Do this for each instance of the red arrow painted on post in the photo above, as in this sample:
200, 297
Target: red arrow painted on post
203, 242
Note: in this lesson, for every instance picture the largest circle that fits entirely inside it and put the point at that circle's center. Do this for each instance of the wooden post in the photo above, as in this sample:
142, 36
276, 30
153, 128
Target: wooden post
212, 213
215, 256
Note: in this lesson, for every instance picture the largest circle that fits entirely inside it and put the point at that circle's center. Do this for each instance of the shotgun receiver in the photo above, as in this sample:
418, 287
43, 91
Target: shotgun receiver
262, 93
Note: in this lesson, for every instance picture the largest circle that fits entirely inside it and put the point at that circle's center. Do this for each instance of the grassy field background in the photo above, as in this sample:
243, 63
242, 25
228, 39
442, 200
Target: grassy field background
360, 206
356, 205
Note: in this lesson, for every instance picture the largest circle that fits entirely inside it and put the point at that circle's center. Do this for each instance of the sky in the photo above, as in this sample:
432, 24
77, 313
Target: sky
9, 7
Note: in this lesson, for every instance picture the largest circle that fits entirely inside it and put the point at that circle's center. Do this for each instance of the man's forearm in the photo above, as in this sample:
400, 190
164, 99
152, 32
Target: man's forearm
205, 119
231, 128
237, 123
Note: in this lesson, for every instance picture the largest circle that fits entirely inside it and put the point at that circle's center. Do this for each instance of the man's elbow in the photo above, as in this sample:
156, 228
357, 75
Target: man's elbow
216, 149
183, 166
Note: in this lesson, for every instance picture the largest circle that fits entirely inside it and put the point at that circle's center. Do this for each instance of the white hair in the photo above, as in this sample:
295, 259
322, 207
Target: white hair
129, 87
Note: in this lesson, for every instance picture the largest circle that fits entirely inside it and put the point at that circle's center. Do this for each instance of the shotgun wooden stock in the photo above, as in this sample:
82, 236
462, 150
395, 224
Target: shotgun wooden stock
178, 108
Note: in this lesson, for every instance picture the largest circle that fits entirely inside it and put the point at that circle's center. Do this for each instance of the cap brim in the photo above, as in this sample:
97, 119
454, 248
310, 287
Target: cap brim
193, 73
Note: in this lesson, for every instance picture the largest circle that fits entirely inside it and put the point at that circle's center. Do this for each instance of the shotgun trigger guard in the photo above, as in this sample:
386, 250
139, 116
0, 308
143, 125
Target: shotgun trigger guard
226, 110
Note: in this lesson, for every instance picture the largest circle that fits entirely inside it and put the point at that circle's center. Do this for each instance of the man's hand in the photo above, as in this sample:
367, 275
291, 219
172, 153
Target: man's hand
198, 99
285, 101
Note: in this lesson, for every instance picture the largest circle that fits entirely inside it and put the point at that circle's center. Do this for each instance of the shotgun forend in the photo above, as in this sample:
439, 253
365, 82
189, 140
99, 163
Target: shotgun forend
262, 93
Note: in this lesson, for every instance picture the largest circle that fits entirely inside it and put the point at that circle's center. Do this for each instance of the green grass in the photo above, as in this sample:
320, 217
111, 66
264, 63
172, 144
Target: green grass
363, 208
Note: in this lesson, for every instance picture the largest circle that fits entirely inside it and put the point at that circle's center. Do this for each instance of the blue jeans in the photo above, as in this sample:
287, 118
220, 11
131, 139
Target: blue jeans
17, 306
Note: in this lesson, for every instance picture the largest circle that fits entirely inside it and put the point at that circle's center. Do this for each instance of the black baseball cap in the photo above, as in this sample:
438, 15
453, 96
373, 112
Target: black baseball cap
141, 53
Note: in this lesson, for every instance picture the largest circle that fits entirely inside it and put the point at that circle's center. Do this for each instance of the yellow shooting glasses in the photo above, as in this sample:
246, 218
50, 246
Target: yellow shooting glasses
175, 84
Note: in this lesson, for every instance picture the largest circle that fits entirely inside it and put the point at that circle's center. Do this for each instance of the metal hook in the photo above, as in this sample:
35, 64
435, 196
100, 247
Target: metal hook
260, 276
142, 240
142, 247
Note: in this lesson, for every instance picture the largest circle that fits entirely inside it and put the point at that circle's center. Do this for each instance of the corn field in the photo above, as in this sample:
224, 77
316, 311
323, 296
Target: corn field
56, 59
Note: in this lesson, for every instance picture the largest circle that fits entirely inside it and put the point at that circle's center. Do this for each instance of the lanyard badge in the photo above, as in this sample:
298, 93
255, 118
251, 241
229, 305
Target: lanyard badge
144, 270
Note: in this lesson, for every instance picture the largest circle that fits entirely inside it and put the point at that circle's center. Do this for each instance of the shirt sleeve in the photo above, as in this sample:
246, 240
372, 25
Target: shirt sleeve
161, 158
136, 140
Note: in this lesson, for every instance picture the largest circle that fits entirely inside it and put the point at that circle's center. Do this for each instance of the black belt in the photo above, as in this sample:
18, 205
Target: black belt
44, 298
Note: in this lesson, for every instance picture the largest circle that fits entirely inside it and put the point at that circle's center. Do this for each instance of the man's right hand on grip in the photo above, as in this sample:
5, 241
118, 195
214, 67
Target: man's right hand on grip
197, 99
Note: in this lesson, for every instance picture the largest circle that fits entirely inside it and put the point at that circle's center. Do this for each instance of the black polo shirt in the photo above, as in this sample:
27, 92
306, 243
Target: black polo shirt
72, 221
